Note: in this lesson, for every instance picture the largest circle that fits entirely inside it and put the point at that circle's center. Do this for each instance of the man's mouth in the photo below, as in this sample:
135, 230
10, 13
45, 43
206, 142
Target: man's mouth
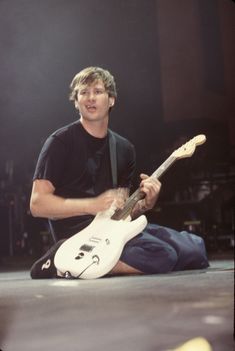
91, 108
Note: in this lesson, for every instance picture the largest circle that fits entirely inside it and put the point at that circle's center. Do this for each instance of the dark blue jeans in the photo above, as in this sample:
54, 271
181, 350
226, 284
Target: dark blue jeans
160, 250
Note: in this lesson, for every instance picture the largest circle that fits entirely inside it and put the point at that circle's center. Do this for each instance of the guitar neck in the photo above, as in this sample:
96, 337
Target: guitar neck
164, 167
138, 194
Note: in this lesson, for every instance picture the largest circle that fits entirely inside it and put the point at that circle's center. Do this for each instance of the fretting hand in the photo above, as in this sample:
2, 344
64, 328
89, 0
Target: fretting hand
151, 187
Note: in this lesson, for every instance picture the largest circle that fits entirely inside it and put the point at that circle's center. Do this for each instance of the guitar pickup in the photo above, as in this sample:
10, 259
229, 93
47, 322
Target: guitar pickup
87, 248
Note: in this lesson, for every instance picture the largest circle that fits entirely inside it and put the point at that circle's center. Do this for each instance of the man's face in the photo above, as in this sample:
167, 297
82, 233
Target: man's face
93, 102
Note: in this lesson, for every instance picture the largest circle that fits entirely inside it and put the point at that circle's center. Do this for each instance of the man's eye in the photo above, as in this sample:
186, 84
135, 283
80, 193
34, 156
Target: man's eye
98, 92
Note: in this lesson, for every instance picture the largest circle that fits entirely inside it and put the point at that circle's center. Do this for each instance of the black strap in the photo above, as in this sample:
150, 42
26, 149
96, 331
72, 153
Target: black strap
53, 234
113, 157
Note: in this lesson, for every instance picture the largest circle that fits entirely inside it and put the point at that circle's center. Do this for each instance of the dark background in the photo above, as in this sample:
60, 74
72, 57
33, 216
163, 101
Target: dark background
174, 67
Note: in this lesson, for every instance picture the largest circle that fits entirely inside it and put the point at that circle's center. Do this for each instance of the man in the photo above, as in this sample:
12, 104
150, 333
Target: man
73, 182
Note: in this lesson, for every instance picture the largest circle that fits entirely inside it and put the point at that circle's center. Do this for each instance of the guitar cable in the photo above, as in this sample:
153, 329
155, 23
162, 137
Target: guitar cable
96, 260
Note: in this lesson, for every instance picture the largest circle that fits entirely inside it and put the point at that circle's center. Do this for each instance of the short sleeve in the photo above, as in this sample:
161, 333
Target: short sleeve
51, 161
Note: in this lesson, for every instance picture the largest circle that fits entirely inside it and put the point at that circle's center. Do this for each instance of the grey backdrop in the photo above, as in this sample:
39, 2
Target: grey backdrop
172, 61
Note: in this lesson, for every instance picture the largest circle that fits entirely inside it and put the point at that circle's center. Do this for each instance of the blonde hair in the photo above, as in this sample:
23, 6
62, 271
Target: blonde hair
89, 75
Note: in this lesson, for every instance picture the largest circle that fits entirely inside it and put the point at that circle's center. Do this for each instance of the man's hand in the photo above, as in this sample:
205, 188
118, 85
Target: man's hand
105, 200
151, 187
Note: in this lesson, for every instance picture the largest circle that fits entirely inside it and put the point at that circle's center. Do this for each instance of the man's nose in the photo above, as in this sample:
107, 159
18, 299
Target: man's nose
91, 96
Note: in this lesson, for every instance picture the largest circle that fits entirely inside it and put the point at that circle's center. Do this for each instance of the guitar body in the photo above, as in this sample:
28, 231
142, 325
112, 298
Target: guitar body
95, 250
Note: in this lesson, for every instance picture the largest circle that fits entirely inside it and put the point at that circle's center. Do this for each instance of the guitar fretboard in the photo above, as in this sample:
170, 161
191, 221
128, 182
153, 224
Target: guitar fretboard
138, 194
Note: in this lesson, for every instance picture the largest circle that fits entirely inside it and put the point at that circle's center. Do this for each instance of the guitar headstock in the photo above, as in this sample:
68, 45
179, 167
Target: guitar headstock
188, 148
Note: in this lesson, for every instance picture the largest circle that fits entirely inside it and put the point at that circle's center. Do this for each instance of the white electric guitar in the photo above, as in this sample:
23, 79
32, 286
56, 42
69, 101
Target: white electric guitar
95, 250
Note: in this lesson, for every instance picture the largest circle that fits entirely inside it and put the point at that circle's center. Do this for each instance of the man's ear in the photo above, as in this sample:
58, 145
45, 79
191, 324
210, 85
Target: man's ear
111, 101
76, 104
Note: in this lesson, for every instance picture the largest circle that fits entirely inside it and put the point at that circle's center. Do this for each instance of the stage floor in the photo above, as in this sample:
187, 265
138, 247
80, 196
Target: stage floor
131, 313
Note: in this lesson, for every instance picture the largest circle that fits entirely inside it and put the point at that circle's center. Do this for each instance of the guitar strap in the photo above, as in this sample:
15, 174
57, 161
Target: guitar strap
113, 157
51, 230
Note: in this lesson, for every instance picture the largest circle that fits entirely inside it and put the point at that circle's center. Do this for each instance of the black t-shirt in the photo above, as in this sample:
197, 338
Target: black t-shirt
78, 165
